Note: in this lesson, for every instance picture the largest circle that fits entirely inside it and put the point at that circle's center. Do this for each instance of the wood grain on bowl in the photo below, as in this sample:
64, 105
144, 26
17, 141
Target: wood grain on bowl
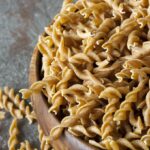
47, 120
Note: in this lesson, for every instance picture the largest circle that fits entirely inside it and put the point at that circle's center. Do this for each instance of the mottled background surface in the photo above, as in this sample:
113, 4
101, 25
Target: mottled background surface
21, 21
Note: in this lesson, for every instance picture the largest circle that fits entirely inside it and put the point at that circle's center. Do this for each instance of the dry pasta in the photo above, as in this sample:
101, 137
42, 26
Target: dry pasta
20, 103
146, 111
9, 106
26, 146
113, 96
13, 132
96, 73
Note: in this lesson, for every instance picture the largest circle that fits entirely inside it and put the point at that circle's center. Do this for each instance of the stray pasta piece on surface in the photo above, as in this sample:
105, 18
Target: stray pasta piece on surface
13, 132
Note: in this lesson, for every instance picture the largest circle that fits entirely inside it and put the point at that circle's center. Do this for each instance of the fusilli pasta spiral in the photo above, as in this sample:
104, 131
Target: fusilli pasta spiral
13, 132
20, 103
96, 69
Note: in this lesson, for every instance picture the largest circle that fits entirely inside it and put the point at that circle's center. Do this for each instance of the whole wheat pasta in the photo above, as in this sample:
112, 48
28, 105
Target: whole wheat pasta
130, 134
126, 143
20, 103
13, 132
134, 39
137, 123
125, 106
140, 144
108, 143
96, 69
113, 99
9, 106
146, 112
26, 146
79, 130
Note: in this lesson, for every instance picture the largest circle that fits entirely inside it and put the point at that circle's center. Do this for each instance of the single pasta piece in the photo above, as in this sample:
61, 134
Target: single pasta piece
9, 106
38, 86
73, 120
20, 103
13, 132
113, 96
125, 106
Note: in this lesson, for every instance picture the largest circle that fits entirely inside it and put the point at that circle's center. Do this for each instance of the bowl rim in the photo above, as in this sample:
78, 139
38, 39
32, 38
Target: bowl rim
66, 139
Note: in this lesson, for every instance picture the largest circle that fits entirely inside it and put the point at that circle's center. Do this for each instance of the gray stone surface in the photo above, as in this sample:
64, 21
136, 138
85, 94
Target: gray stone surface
21, 21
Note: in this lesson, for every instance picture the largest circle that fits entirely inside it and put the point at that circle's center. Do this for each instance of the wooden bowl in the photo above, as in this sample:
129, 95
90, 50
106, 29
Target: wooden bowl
47, 120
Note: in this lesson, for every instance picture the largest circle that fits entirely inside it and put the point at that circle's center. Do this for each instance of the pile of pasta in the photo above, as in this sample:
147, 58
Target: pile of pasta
19, 109
96, 72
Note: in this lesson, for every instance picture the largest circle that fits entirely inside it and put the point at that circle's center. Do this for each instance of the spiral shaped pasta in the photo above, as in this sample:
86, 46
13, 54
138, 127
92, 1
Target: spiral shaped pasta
72, 120
130, 134
26, 146
13, 132
118, 7
113, 97
79, 130
146, 113
134, 39
126, 143
38, 86
108, 143
20, 104
30, 115
103, 30
140, 144
115, 41
125, 106
9, 106
96, 68
136, 123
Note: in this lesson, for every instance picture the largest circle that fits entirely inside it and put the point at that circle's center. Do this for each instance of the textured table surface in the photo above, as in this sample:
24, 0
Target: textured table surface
21, 21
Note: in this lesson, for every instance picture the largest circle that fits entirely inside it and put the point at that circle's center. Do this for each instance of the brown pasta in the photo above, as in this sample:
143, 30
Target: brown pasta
13, 132
146, 111
96, 69
9, 106
20, 103
113, 97
26, 146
